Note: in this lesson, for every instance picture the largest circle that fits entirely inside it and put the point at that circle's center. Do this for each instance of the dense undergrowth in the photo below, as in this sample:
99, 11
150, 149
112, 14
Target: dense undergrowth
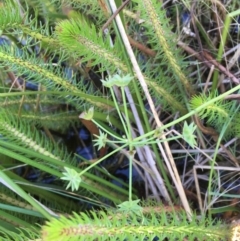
119, 126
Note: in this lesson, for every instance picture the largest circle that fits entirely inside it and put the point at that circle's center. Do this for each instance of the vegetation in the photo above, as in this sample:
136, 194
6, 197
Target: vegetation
86, 91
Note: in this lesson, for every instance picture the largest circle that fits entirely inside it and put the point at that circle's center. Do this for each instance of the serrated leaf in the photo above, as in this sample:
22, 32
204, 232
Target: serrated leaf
73, 177
130, 206
117, 80
101, 140
188, 135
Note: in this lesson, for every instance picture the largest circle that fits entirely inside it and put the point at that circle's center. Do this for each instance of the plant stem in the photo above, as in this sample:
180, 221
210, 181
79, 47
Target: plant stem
102, 159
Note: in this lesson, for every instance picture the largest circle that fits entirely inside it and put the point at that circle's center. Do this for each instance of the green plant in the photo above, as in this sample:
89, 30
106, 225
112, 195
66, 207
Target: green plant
116, 225
52, 54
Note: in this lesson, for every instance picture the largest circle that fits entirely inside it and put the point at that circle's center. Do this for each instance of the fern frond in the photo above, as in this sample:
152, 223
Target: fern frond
13, 23
59, 121
13, 102
10, 15
84, 41
21, 234
105, 225
37, 71
21, 133
72, 34
166, 40
168, 56
42, 111
218, 114
80, 39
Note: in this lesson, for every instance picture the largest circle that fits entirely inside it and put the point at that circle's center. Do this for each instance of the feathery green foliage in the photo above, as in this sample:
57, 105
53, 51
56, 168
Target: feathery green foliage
60, 49
120, 226
218, 114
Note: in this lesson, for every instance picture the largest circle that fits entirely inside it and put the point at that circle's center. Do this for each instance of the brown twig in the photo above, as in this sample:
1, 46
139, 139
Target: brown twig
206, 58
210, 61
141, 47
221, 67
232, 97
14, 79
114, 15
205, 130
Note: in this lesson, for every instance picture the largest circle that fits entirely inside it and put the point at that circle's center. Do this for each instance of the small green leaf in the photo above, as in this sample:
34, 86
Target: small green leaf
87, 115
188, 135
117, 80
130, 206
101, 140
73, 177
